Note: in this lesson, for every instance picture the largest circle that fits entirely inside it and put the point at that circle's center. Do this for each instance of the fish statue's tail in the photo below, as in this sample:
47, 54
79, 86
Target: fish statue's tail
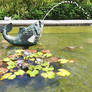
8, 28
1, 29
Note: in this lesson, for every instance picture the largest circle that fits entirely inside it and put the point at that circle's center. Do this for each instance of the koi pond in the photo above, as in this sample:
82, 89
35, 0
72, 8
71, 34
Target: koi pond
70, 47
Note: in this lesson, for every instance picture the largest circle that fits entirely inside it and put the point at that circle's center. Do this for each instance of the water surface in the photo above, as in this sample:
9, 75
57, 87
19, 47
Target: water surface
57, 39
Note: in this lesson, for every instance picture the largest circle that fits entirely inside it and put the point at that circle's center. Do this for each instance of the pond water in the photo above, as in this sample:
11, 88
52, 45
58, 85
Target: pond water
70, 42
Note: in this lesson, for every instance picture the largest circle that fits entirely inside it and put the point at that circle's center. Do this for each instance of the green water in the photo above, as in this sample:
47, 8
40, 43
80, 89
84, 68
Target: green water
57, 39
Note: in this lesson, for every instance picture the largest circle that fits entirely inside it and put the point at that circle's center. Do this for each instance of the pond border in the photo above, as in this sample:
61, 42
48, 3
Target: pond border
48, 22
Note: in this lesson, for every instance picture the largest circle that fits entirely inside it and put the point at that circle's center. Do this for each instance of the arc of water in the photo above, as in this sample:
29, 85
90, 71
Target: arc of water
65, 2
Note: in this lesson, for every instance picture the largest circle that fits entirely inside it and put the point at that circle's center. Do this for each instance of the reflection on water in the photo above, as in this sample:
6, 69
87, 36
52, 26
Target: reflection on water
68, 42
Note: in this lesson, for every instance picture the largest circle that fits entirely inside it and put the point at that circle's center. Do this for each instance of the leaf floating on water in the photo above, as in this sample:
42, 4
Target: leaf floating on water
19, 52
32, 59
12, 77
49, 75
38, 67
47, 55
32, 62
19, 72
39, 54
44, 75
6, 59
32, 73
45, 64
32, 51
45, 51
5, 76
11, 64
53, 59
3, 70
63, 72
63, 61
31, 67
51, 68
13, 57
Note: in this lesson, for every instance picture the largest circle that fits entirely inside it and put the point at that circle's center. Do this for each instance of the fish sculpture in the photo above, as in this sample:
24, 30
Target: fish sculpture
26, 36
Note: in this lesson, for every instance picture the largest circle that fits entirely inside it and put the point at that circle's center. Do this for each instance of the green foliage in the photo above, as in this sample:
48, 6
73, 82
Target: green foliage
36, 9
3, 13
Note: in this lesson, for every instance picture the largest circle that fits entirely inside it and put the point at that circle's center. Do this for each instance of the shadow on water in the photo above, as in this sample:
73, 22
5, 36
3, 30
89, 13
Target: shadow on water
36, 84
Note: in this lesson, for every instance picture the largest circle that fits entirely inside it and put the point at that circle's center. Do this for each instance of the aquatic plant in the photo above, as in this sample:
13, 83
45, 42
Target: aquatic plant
32, 63
5, 76
32, 73
63, 61
49, 75
11, 77
63, 72
19, 72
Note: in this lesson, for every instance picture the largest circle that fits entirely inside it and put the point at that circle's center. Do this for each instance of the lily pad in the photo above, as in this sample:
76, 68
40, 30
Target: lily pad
19, 72
47, 55
53, 59
39, 54
45, 51
32, 51
5, 76
12, 77
19, 52
38, 67
13, 57
34, 55
32, 73
63, 72
32, 59
44, 75
6, 59
49, 75
51, 68
11, 64
31, 67
63, 61
3, 70
45, 63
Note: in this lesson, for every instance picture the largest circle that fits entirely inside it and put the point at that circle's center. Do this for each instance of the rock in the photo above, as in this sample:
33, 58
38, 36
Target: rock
71, 48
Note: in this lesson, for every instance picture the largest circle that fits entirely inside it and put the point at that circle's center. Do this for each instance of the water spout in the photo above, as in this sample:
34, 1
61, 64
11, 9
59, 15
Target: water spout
65, 2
